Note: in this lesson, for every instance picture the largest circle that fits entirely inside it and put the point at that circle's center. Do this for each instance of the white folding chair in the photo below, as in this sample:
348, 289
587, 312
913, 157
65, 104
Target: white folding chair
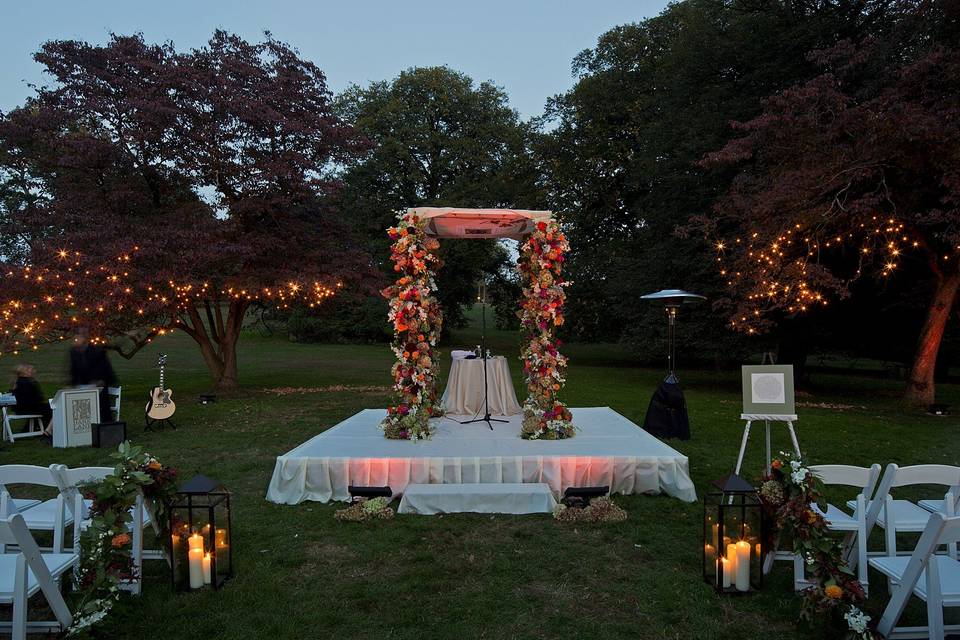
68, 480
27, 571
34, 425
933, 578
940, 506
115, 392
904, 516
47, 515
856, 526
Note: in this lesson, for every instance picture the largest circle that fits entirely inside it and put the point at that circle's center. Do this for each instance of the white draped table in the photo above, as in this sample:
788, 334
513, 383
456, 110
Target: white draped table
464, 392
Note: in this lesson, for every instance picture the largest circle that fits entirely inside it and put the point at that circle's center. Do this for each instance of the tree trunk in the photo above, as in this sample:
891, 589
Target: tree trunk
920, 385
217, 340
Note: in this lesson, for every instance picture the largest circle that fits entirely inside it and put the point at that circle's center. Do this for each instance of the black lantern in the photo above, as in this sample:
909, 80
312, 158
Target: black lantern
201, 545
733, 536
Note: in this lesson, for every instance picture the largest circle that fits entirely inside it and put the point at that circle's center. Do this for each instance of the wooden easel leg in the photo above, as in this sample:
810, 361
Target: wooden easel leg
793, 439
743, 446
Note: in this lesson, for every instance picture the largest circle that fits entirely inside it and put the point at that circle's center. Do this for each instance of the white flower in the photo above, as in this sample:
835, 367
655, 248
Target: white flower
794, 464
857, 620
799, 475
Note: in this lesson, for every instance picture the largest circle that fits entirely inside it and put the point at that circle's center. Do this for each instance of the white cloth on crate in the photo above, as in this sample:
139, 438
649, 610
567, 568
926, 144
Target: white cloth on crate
514, 498
607, 450
458, 354
464, 392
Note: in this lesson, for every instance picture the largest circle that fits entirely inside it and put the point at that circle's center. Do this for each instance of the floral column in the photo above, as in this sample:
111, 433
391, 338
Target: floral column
541, 312
416, 317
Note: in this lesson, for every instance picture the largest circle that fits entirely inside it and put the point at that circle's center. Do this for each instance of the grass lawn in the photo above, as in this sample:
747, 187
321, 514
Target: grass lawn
300, 574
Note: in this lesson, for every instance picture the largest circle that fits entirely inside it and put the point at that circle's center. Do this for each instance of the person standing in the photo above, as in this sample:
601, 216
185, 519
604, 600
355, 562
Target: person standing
89, 365
30, 398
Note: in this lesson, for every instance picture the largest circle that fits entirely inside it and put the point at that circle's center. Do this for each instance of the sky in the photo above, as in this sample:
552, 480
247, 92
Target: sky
524, 46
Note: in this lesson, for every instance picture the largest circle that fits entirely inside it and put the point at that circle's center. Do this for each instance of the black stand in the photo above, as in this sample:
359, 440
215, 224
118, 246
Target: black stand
667, 413
483, 354
150, 423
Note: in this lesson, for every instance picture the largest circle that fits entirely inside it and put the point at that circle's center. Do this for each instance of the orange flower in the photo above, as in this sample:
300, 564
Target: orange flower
154, 466
834, 592
120, 540
811, 516
776, 464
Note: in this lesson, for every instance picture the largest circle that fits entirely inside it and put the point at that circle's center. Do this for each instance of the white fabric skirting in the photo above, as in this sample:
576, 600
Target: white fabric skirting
487, 497
608, 450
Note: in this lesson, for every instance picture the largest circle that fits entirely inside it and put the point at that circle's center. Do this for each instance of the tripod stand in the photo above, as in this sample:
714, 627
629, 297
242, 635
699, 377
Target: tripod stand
483, 354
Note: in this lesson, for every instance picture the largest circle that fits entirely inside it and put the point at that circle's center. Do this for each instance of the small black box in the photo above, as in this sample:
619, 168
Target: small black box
108, 434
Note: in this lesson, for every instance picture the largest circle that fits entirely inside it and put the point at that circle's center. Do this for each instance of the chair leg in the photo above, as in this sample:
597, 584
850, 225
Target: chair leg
19, 631
862, 567
799, 573
934, 600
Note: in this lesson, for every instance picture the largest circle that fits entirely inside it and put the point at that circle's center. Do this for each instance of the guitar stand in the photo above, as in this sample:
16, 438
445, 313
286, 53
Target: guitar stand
150, 423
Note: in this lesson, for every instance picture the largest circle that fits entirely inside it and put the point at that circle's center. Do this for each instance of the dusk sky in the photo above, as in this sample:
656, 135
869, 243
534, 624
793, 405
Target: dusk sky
526, 47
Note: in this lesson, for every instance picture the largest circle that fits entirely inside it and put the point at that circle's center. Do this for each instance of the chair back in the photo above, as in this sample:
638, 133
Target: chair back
941, 474
26, 474
13, 531
68, 481
114, 392
849, 476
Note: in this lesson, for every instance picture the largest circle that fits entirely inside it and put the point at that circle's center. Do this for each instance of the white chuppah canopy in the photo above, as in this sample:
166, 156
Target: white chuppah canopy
457, 222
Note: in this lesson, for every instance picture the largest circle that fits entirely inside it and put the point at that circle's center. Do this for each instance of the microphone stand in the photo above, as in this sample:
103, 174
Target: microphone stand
483, 354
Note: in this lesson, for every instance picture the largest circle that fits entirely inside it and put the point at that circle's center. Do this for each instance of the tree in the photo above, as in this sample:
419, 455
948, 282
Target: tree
154, 190
440, 139
650, 100
853, 173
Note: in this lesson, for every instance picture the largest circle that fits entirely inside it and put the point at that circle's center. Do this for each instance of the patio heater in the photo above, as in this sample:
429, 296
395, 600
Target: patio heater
667, 413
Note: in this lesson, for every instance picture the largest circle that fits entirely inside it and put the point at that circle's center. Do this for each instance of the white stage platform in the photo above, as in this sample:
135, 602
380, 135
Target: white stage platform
607, 450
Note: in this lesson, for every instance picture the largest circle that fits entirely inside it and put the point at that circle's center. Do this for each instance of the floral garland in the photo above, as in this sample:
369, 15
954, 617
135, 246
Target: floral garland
789, 493
105, 546
541, 312
417, 319
373, 509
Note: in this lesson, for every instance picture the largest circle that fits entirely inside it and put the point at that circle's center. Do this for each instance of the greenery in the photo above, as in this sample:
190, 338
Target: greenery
302, 574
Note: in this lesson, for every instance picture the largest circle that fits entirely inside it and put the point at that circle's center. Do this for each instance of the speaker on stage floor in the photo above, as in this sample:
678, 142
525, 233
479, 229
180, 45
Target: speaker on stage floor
108, 434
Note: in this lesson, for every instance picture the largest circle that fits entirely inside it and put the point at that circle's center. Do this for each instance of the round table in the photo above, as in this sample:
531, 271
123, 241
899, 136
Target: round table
464, 393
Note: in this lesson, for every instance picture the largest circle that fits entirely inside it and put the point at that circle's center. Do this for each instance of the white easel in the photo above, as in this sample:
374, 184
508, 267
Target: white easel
767, 419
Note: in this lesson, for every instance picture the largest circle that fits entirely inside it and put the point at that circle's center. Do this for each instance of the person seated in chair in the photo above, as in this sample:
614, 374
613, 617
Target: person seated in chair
30, 398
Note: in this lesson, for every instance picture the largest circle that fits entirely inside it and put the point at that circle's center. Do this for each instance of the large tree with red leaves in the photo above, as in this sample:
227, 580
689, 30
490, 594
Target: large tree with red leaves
853, 174
149, 190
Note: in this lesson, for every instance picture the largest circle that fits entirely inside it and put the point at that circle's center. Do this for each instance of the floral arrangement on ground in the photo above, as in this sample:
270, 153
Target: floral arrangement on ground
417, 319
541, 312
363, 510
789, 493
600, 509
105, 546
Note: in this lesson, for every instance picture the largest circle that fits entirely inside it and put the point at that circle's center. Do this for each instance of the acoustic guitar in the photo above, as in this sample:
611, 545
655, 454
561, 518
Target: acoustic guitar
161, 406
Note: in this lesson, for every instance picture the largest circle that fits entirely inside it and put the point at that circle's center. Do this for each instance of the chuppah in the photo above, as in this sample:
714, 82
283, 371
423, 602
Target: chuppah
414, 442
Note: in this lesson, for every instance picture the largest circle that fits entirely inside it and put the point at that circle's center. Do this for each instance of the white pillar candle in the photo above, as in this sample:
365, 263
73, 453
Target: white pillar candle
726, 571
195, 559
730, 568
743, 566
206, 568
196, 542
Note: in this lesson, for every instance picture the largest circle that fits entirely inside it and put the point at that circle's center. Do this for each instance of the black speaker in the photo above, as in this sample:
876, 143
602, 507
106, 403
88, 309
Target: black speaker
108, 434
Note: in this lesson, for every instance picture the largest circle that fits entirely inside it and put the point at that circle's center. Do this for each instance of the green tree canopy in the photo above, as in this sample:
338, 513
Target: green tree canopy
439, 139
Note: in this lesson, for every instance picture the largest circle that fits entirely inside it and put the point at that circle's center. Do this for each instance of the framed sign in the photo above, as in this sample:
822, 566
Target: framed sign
768, 390
74, 412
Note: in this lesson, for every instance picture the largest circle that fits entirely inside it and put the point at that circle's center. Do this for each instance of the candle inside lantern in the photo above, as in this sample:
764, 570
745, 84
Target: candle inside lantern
196, 542
195, 557
221, 541
759, 550
730, 568
743, 565
206, 568
715, 530
726, 570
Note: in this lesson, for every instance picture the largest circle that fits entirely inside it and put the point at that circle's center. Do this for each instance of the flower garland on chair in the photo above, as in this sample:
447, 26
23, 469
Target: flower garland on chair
789, 493
541, 312
417, 319
105, 545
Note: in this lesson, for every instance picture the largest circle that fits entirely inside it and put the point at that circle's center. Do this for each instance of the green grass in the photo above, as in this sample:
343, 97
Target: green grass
300, 574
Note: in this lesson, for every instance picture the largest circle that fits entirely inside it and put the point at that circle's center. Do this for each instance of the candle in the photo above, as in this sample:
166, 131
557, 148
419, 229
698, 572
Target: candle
730, 568
196, 542
221, 538
759, 552
743, 566
195, 558
710, 552
716, 532
206, 568
726, 570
